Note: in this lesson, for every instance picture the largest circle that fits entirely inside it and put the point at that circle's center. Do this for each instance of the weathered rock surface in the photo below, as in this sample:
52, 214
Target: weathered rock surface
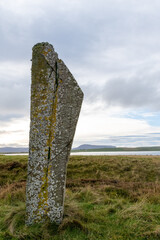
55, 106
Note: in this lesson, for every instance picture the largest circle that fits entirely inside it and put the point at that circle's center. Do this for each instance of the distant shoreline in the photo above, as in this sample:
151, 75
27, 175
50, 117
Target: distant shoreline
117, 149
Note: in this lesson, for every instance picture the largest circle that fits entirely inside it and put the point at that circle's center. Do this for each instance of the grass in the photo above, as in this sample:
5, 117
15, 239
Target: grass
107, 198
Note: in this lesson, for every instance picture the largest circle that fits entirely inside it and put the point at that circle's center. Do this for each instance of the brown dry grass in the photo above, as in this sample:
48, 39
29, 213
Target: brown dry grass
12, 189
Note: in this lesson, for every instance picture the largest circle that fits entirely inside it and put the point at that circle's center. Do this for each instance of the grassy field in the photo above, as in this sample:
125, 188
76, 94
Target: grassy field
107, 198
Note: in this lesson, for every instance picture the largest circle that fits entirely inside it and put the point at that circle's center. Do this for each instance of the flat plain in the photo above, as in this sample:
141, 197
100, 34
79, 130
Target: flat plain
107, 198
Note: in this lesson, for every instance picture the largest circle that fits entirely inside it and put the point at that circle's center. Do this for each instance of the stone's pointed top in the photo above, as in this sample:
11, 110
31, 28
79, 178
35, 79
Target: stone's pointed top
46, 50
42, 45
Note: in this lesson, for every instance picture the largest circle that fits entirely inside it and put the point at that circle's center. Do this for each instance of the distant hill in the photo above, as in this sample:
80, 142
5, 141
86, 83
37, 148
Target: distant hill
13, 150
115, 149
89, 146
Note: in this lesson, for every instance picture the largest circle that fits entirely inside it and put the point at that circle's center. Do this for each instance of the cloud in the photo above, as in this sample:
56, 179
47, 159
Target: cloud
98, 124
14, 89
139, 91
14, 132
112, 47
136, 92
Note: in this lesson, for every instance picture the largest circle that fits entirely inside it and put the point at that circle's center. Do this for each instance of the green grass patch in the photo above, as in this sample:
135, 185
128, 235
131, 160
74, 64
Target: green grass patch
107, 198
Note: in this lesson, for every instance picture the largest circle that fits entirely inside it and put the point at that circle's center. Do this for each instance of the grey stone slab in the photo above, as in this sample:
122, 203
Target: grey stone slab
56, 101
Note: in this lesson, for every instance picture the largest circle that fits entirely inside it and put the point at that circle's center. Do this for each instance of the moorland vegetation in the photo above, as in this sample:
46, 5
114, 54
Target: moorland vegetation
107, 198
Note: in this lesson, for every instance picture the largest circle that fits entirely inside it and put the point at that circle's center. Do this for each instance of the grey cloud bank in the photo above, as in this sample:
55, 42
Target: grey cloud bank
111, 46
141, 92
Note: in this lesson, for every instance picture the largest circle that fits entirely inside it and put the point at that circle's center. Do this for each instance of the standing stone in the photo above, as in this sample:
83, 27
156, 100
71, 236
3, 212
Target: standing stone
55, 106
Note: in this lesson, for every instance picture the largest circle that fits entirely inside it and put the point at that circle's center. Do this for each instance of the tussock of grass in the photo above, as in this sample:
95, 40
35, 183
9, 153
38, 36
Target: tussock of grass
15, 219
72, 224
86, 194
107, 198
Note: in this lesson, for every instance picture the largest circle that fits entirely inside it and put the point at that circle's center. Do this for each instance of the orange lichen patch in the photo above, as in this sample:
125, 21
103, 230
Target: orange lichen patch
39, 100
35, 130
43, 195
46, 52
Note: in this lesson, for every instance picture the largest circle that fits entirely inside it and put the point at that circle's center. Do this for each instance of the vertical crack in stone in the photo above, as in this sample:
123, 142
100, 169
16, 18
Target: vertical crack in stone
57, 76
52, 122
54, 108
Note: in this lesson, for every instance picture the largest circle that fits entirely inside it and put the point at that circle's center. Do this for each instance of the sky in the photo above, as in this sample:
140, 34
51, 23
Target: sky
112, 48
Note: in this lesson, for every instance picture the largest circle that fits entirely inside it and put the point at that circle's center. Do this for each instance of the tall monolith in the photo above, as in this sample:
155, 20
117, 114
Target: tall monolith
56, 101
